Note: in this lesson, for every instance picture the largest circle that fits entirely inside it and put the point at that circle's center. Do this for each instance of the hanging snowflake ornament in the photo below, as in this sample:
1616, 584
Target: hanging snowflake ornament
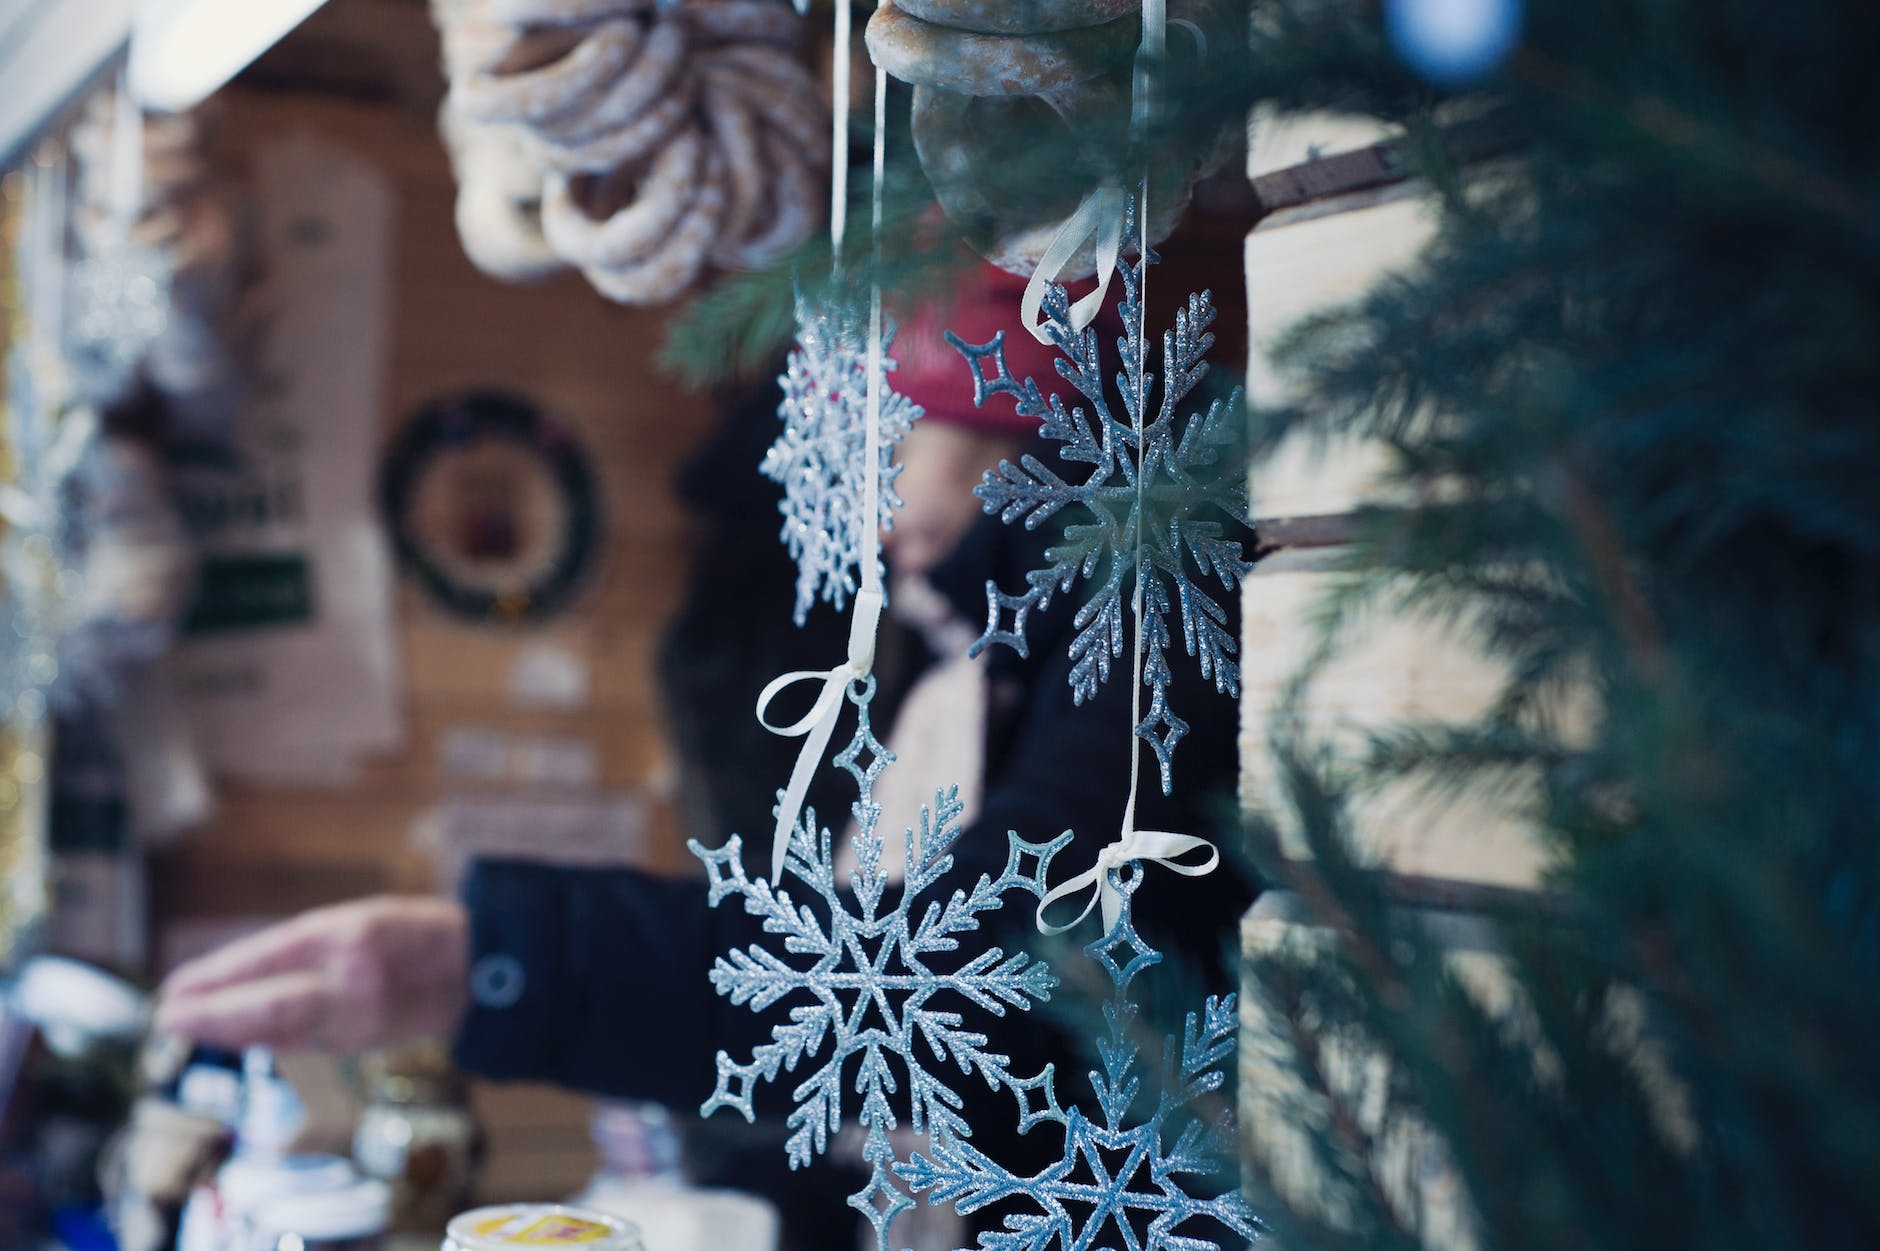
1135, 1182
1158, 476
821, 459
877, 998
120, 307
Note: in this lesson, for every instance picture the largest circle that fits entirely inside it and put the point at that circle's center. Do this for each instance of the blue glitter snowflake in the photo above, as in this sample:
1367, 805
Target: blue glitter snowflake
820, 457
869, 984
119, 308
1113, 1173
1191, 505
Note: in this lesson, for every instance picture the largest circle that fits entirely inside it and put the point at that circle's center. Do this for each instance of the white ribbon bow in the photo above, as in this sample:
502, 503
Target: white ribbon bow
815, 726
1143, 846
1099, 220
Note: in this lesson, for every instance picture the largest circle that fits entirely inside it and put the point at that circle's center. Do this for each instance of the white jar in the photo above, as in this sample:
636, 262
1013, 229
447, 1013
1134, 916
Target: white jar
221, 1218
247, 1182
526, 1225
352, 1219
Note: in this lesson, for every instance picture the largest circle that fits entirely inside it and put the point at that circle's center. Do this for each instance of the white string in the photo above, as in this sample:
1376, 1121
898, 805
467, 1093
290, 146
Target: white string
817, 726
1098, 218
839, 138
1133, 845
127, 158
1140, 642
871, 494
1148, 57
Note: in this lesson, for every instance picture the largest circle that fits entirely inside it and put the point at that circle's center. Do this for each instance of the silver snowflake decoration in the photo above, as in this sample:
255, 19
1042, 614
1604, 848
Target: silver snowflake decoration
120, 308
1131, 1181
875, 996
1175, 491
820, 458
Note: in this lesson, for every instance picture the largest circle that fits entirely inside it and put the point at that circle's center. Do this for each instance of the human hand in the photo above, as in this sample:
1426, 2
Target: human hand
348, 978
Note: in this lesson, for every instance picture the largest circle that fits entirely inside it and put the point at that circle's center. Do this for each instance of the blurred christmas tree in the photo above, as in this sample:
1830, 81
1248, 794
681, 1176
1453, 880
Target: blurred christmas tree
1642, 359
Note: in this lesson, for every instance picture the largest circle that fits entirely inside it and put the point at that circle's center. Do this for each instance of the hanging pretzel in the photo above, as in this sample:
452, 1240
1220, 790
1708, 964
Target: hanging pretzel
638, 144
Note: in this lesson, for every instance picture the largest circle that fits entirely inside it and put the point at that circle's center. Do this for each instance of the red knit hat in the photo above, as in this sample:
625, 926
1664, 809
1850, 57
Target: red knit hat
935, 376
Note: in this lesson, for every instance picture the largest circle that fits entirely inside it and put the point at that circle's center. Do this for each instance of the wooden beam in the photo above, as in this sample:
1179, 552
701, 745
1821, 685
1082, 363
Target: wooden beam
1380, 165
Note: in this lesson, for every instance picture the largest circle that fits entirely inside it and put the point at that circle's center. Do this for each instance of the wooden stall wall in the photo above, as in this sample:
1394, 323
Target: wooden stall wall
1341, 215
363, 75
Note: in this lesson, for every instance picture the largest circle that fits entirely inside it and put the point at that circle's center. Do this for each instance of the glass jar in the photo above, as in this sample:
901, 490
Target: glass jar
418, 1135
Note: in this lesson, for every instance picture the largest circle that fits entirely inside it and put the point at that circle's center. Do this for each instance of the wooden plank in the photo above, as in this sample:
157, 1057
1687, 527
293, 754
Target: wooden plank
1278, 142
1294, 271
1282, 1108
1395, 666
275, 851
1300, 161
1337, 530
1327, 177
539, 1147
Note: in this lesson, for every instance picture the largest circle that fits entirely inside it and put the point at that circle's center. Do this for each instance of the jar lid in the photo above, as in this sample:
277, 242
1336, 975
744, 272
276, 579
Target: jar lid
358, 1211
540, 1225
247, 1181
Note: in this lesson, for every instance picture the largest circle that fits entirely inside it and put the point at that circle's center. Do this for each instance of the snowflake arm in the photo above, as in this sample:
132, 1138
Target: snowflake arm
870, 1010
1161, 483
1134, 1181
820, 456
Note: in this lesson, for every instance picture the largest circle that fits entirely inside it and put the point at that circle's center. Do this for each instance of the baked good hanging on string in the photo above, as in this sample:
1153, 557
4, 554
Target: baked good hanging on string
640, 143
999, 84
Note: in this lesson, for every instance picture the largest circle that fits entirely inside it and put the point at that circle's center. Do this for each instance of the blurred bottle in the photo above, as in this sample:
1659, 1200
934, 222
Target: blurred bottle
225, 1211
419, 1136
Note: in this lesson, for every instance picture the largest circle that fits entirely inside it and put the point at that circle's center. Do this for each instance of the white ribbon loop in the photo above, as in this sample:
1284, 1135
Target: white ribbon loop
1099, 220
1141, 846
817, 725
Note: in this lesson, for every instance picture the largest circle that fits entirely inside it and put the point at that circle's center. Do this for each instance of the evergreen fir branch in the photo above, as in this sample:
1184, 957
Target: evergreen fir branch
1630, 391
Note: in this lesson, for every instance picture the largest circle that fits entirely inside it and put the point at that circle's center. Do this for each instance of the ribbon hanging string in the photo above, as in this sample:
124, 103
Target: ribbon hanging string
1098, 220
1135, 846
1132, 845
817, 726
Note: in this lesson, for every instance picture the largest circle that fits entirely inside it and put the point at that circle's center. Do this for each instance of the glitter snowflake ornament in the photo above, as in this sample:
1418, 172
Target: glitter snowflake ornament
877, 997
1176, 487
821, 459
1120, 1184
119, 308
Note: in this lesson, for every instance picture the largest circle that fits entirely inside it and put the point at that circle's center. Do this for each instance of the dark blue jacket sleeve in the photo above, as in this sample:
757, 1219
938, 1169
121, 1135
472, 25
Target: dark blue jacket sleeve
600, 979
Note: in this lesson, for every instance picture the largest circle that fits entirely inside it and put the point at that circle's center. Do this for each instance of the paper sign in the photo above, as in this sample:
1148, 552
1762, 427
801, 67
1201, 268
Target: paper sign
289, 665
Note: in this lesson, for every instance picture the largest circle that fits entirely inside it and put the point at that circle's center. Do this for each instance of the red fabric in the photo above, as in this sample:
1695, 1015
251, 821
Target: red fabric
938, 378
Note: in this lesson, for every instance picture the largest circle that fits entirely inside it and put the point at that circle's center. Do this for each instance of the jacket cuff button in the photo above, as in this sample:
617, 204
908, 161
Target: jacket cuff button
496, 981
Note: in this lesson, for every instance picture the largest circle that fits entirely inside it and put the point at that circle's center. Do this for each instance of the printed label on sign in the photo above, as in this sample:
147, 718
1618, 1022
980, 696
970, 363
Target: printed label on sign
544, 1232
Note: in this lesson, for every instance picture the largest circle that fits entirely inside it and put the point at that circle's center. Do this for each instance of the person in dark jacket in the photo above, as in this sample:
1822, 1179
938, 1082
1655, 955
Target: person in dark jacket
598, 979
